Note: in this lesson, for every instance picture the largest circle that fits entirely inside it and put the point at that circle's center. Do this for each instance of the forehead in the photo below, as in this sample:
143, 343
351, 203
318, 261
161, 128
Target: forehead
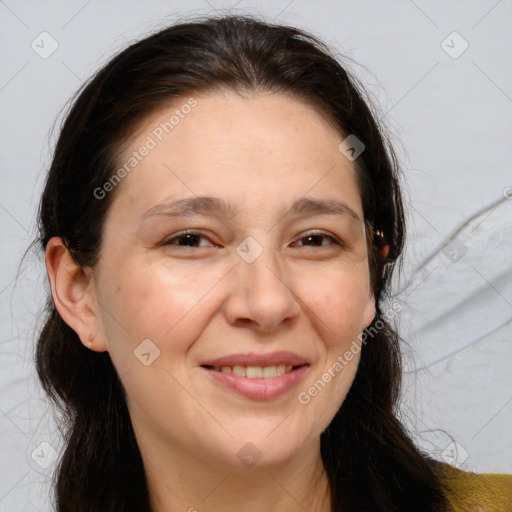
220, 142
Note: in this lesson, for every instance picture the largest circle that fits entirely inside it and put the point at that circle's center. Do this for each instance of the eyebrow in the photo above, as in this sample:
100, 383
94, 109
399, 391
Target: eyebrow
203, 205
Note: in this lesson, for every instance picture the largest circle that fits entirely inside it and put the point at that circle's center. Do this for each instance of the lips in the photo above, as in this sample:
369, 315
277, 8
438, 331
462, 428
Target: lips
257, 376
262, 360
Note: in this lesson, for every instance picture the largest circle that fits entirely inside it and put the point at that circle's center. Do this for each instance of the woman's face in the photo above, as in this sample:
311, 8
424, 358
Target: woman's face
261, 278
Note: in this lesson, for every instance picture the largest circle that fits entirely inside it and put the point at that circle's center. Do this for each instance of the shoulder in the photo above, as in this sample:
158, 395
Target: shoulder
475, 492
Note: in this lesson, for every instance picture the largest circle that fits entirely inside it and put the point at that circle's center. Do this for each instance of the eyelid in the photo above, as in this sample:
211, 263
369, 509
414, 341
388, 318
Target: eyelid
168, 240
336, 240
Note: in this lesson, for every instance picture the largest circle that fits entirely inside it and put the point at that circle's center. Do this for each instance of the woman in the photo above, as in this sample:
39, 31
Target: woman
221, 221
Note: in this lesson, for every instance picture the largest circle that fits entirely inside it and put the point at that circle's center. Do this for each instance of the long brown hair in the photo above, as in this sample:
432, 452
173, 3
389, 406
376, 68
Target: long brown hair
371, 462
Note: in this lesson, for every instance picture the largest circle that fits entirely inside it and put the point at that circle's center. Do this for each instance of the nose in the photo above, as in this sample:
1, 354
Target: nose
261, 295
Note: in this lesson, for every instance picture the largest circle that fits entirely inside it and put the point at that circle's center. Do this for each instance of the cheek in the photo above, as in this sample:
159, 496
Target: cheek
340, 300
339, 305
141, 301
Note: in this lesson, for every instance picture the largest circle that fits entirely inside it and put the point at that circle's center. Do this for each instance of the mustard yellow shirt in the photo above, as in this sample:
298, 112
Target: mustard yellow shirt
476, 492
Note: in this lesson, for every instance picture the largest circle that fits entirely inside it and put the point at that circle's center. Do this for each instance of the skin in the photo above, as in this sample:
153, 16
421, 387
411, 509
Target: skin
260, 153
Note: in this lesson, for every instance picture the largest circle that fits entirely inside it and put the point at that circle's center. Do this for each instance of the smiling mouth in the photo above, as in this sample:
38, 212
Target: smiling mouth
255, 372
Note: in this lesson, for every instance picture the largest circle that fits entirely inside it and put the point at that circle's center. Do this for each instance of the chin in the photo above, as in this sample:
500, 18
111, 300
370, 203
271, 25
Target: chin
264, 450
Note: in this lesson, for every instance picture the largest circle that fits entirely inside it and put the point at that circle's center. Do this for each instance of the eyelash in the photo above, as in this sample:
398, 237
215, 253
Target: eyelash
335, 240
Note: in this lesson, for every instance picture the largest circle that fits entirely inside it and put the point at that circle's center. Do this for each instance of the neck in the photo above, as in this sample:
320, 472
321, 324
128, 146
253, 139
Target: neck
178, 482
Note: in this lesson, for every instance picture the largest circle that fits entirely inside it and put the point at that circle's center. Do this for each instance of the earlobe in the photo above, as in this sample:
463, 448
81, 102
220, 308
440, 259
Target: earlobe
384, 250
72, 294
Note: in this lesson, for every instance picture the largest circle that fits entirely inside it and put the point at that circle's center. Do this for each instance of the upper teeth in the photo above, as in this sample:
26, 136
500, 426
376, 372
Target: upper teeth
254, 372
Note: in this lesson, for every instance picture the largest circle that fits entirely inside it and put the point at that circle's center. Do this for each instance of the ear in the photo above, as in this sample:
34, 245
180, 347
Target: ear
73, 294
384, 250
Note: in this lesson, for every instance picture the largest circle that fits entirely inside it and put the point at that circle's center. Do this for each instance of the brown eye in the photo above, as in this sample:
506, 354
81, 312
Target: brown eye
316, 239
187, 239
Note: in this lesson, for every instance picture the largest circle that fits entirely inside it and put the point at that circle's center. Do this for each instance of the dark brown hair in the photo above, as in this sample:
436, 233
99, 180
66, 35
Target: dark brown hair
371, 462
